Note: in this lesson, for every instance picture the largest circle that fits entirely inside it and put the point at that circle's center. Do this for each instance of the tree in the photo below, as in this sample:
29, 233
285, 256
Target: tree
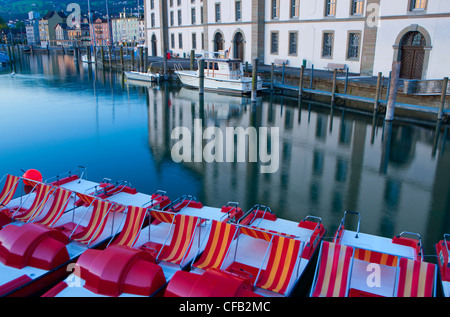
3, 24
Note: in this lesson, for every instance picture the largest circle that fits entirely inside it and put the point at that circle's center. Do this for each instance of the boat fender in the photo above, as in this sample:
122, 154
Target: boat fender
30, 176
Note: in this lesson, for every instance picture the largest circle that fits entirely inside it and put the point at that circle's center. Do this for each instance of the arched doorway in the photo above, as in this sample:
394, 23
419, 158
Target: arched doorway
218, 42
412, 55
238, 46
154, 51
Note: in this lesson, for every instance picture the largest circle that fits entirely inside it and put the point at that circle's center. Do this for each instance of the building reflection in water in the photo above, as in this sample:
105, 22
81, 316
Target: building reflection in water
328, 163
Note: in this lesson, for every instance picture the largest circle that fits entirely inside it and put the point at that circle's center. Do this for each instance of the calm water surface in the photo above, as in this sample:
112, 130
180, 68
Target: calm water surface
57, 115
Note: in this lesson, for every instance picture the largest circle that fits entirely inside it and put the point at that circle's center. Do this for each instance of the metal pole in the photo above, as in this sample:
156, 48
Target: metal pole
393, 91
443, 95
254, 79
312, 75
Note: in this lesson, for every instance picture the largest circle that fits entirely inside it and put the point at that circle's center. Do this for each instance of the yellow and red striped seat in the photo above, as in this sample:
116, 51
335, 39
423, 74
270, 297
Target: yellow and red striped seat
333, 271
376, 257
283, 256
220, 238
184, 229
96, 224
9, 189
132, 227
261, 233
61, 198
416, 278
43, 193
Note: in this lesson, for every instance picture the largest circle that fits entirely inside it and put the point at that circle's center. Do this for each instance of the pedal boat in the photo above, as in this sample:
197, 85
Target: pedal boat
142, 268
38, 253
357, 264
444, 267
262, 255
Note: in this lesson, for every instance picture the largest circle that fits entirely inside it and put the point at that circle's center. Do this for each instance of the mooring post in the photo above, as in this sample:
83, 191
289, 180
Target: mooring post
109, 56
311, 79
89, 53
254, 79
192, 56
333, 93
283, 67
165, 65
272, 71
390, 108
103, 55
141, 59
132, 58
300, 86
201, 76
246, 68
443, 95
146, 59
346, 81
377, 94
121, 56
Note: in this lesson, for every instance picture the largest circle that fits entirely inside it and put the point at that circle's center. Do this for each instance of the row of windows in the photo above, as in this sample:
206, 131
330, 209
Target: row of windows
357, 7
180, 41
353, 44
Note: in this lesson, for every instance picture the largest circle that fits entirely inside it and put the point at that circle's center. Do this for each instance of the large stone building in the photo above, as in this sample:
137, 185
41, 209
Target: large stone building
365, 35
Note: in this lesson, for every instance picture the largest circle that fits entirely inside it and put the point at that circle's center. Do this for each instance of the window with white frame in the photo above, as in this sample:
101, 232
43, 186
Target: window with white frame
153, 20
179, 17
217, 12
295, 9
201, 15
180, 40
193, 15
274, 42
237, 7
327, 45
418, 5
330, 8
194, 41
357, 7
172, 40
293, 43
171, 18
354, 40
275, 9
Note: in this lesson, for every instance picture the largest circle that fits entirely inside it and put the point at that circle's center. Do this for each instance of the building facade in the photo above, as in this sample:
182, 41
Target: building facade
47, 24
364, 35
127, 28
32, 28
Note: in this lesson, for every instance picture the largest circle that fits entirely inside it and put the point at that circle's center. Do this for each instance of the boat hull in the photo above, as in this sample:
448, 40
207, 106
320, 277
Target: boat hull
148, 77
240, 86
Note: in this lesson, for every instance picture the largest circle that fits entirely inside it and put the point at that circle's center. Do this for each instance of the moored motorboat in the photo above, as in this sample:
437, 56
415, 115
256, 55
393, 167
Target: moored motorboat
141, 76
442, 253
38, 253
220, 74
262, 255
357, 264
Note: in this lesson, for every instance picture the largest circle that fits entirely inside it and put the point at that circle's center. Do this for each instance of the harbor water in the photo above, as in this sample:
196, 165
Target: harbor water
57, 114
